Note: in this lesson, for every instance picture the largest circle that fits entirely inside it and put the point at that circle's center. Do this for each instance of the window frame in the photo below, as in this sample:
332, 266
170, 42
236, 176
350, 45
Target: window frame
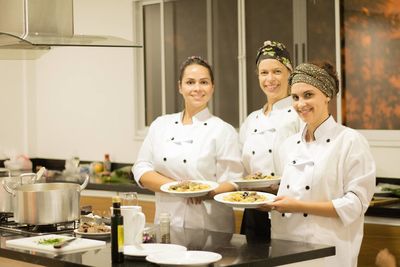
376, 138
140, 125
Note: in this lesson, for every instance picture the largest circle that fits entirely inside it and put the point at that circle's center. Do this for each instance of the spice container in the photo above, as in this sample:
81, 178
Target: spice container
150, 234
165, 228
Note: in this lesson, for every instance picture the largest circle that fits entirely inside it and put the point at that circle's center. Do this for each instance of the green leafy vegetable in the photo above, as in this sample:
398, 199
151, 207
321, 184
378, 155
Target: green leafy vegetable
395, 191
119, 176
50, 241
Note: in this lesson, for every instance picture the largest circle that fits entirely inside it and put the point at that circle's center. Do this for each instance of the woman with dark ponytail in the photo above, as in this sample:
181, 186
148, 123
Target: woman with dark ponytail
191, 145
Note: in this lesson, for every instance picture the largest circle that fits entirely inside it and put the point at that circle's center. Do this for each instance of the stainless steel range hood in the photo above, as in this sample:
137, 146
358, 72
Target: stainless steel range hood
41, 24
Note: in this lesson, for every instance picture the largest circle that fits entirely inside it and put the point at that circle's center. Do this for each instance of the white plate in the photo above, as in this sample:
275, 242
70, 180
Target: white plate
184, 258
257, 183
213, 185
76, 231
142, 250
248, 205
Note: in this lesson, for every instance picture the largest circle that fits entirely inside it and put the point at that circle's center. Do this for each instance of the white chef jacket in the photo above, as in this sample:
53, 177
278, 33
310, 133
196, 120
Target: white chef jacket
207, 149
337, 166
262, 135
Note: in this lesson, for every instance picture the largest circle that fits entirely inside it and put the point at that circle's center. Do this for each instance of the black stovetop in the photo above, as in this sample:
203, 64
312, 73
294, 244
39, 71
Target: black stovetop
7, 224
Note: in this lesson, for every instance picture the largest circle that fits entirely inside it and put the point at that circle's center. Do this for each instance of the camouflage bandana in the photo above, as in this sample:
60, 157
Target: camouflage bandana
274, 50
315, 76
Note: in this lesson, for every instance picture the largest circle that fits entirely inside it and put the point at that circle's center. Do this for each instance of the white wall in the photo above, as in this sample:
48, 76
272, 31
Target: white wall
12, 117
387, 161
85, 104
79, 101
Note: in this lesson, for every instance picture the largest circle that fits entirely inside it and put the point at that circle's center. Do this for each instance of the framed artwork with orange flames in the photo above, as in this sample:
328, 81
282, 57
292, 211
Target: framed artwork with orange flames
371, 64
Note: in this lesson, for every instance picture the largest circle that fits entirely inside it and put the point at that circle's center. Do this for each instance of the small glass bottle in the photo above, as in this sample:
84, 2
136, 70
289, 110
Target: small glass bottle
117, 232
107, 163
165, 228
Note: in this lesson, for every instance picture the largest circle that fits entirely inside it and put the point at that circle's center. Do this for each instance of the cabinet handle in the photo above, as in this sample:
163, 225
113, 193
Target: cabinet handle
296, 56
303, 48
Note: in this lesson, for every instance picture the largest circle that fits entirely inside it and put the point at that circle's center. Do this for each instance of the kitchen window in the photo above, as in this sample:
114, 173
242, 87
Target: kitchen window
227, 34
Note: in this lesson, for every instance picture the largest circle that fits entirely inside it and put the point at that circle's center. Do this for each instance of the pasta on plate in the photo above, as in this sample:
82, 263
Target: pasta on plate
244, 197
188, 186
259, 176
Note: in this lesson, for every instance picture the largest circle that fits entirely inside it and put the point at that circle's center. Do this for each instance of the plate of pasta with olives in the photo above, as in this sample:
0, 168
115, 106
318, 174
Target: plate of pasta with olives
189, 188
257, 180
245, 199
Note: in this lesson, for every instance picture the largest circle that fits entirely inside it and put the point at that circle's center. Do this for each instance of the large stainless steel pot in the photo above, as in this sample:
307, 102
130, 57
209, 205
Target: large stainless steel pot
46, 203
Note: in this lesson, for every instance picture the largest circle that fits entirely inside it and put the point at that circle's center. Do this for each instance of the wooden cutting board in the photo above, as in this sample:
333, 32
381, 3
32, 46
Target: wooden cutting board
382, 201
32, 244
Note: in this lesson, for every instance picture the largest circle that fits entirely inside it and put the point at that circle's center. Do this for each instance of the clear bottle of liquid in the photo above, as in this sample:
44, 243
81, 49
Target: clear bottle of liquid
165, 228
117, 232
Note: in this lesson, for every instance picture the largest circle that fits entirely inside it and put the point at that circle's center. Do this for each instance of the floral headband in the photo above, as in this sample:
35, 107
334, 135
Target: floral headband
274, 50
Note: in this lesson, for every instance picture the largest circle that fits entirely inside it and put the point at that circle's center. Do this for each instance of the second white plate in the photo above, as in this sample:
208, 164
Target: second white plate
102, 234
184, 258
248, 205
242, 183
213, 185
142, 250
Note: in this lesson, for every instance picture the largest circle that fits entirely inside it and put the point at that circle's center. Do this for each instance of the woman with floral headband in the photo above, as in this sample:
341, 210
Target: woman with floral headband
328, 173
265, 129
191, 145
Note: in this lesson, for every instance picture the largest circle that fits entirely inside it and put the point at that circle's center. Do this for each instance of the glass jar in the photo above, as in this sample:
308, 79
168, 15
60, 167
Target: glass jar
165, 228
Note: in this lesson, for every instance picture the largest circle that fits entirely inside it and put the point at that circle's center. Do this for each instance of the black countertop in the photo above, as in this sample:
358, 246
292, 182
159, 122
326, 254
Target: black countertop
392, 208
119, 188
388, 211
236, 250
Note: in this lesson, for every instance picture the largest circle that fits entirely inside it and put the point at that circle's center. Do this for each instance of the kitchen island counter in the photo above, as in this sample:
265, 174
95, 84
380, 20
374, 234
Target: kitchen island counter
236, 250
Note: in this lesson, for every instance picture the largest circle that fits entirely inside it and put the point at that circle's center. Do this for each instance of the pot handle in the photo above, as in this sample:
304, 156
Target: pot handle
27, 175
5, 185
8, 189
85, 183
6, 170
39, 174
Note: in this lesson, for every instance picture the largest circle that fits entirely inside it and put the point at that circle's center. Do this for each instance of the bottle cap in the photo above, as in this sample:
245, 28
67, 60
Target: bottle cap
116, 199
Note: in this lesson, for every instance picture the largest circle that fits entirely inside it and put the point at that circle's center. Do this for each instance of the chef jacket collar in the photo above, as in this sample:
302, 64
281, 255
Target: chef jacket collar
201, 116
322, 130
284, 103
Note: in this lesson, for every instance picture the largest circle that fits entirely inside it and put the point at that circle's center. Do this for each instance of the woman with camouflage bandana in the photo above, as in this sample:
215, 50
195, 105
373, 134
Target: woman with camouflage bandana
265, 129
